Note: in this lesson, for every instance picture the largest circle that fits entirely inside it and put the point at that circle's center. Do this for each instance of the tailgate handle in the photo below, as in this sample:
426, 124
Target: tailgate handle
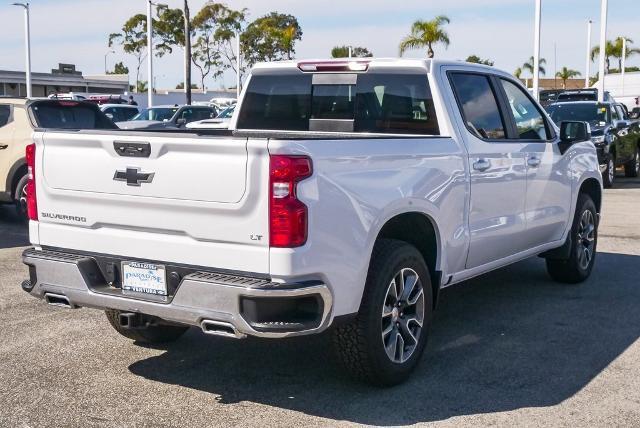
132, 150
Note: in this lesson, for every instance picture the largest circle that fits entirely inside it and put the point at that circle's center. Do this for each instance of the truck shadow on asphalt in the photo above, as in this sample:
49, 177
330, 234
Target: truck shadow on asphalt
14, 232
507, 340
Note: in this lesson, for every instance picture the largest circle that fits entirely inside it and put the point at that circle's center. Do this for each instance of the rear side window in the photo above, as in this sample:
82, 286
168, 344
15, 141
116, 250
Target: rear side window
70, 115
376, 103
479, 106
5, 114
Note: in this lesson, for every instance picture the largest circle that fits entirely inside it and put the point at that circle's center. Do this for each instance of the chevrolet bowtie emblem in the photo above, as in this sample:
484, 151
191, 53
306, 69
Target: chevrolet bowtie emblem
133, 176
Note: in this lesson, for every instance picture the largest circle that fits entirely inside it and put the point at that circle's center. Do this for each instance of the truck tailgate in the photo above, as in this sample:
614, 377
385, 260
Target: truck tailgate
197, 200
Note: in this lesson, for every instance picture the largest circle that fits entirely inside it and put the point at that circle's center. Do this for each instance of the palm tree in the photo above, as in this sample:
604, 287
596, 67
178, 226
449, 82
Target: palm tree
528, 66
518, 73
566, 74
426, 34
614, 49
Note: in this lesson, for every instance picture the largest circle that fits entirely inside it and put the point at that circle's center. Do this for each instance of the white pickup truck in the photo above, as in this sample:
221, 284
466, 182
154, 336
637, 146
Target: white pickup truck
346, 194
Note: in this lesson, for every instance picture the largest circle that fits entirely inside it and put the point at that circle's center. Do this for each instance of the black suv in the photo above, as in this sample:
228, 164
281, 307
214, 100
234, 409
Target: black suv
615, 135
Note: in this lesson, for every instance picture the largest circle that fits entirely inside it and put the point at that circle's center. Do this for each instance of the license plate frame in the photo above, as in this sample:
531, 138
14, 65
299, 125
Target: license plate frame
144, 278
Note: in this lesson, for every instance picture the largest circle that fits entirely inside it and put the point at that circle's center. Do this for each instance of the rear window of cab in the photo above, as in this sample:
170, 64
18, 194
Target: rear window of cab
371, 102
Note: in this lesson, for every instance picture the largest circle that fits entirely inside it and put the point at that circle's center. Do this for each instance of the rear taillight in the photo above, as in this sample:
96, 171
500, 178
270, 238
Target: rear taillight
32, 206
287, 214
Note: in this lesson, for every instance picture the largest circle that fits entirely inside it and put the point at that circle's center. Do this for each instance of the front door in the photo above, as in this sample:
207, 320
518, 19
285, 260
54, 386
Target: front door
497, 168
548, 199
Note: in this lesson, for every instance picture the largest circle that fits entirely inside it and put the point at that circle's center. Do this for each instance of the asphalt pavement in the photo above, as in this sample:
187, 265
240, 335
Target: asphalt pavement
510, 348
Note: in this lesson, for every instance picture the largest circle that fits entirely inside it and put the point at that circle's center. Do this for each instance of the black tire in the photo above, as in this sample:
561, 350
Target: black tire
609, 174
632, 168
573, 270
19, 198
359, 344
148, 334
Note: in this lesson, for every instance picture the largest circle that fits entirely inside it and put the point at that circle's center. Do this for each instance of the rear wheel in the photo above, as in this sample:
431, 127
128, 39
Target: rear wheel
147, 333
20, 198
384, 343
584, 235
609, 175
632, 168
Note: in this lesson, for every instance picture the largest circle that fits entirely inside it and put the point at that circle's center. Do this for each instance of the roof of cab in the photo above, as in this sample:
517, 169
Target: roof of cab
426, 63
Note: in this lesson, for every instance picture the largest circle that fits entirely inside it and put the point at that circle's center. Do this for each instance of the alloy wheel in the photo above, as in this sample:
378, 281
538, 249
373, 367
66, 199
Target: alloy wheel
611, 170
403, 315
22, 201
586, 239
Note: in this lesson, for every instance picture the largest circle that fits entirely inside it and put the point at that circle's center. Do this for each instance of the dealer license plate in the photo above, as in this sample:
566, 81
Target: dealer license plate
145, 278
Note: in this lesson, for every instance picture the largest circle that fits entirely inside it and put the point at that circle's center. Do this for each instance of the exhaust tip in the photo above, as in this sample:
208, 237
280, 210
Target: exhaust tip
58, 300
220, 328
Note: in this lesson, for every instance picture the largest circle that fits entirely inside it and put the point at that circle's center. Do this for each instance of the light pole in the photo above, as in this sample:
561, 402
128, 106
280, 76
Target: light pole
239, 66
624, 60
536, 51
604, 8
27, 41
588, 67
149, 55
105, 60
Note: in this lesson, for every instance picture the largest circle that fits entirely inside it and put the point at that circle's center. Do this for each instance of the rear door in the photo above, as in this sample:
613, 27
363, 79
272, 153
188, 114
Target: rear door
498, 171
156, 196
548, 196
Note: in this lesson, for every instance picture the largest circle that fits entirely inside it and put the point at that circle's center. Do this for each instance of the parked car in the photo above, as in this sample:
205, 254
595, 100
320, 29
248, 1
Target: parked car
102, 99
549, 96
221, 121
615, 135
18, 118
167, 117
589, 94
346, 194
119, 112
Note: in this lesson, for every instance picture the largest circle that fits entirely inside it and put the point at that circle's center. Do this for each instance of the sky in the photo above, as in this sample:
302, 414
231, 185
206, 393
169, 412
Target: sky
76, 31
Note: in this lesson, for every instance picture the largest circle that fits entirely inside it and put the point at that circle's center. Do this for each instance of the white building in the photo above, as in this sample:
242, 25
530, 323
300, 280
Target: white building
625, 92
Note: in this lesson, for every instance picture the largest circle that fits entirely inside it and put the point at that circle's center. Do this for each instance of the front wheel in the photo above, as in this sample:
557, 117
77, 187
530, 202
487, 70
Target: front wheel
632, 168
609, 174
383, 345
584, 241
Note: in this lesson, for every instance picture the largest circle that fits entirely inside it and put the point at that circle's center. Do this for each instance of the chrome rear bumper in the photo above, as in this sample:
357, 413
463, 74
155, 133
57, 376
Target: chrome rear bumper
202, 298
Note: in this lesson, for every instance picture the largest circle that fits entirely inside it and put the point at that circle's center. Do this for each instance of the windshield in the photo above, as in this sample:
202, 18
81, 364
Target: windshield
226, 113
156, 113
595, 114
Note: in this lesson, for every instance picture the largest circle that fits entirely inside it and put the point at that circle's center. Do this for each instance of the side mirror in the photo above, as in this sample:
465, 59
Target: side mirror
621, 124
109, 115
574, 132
181, 122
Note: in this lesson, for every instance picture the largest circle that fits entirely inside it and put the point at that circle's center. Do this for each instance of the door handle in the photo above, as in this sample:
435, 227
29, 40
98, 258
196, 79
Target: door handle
482, 165
534, 162
3, 146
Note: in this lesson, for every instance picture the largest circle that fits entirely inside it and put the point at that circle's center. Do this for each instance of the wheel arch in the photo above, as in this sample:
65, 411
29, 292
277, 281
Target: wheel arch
592, 187
420, 230
16, 172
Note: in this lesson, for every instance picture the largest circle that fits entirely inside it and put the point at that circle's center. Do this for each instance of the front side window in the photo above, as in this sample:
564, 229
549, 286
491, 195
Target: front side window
530, 123
479, 106
5, 114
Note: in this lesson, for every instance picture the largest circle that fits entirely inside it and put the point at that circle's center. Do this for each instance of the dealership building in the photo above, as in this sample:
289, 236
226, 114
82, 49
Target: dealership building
63, 79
